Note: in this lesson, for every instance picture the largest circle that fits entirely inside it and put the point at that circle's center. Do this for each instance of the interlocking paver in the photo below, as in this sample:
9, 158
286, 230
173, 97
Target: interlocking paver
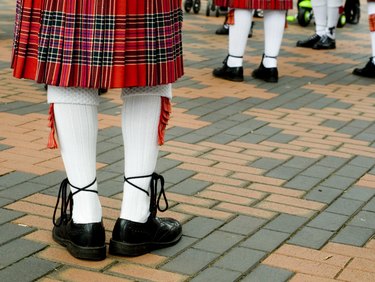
247, 167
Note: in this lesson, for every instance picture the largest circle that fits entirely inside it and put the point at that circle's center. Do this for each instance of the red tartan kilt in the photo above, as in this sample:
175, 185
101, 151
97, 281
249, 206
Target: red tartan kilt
256, 4
98, 43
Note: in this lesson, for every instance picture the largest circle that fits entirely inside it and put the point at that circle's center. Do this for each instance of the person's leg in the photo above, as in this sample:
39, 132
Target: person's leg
140, 119
369, 69
138, 230
274, 25
75, 115
238, 34
320, 14
328, 41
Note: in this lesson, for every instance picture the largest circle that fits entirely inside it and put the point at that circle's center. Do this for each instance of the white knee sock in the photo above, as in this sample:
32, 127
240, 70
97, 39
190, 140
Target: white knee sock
238, 34
140, 119
274, 25
77, 127
371, 11
320, 14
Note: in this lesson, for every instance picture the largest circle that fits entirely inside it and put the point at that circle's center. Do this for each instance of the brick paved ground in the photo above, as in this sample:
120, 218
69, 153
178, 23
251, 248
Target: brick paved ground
273, 182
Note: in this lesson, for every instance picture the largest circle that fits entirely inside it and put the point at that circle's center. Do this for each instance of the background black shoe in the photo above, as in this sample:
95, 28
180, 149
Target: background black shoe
233, 74
223, 30
309, 42
266, 74
367, 71
325, 43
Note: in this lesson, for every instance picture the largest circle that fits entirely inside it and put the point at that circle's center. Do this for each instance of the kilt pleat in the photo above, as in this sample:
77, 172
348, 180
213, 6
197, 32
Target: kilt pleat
98, 43
256, 4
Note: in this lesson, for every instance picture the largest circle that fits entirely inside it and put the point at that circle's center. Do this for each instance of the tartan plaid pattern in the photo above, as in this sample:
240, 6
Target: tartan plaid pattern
98, 43
256, 4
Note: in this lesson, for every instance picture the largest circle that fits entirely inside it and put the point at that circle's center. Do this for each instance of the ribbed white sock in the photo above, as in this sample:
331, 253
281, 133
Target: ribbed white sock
238, 34
274, 25
77, 127
320, 15
371, 11
140, 120
333, 17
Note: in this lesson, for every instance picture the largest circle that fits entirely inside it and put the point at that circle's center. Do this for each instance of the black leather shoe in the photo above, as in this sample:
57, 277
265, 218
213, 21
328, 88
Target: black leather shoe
325, 43
266, 74
134, 239
83, 241
229, 73
131, 238
309, 42
367, 71
223, 30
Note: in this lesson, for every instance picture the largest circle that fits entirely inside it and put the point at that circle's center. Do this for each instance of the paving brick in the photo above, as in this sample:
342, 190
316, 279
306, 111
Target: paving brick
311, 237
302, 265
352, 171
286, 223
215, 274
28, 269
10, 232
353, 235
18, 249
360, 194
200, 227
240, 259
243, 225
267, 273
338, 182
328, 221
8, 215
183, 244
323, 194
283, 172
22, 190
218, 242
189, 187
370, 206
265, 240
144, 273
344, 206
4, 201
15, 178
301, 182
266, 163
362, 161
356, 275
190, 262
318, 171
364, 219
314, 255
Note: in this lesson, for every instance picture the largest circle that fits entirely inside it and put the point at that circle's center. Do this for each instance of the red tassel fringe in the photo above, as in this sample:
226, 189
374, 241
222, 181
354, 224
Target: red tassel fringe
52, 144
166, 109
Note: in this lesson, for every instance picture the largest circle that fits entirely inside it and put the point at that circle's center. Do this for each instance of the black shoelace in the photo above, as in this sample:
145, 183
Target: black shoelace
67, 201
153, 194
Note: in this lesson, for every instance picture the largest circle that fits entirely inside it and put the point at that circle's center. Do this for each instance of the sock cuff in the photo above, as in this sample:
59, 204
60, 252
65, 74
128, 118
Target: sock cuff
72, 95
159, 90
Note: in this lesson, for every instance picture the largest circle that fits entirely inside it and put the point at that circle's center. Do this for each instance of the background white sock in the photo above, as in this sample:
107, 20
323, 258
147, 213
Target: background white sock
238, 34
274, 25
320, 15
140, 121
77, 127
371, 11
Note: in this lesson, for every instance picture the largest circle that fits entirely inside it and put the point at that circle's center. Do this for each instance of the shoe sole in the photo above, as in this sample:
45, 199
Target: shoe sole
271, 80
86, 253
230, 78
134, 250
